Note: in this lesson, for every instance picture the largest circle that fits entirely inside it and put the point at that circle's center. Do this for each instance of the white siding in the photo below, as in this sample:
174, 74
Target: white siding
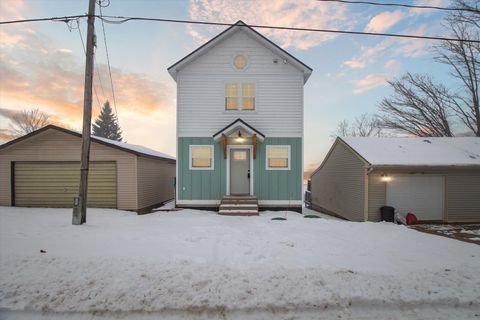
201, 91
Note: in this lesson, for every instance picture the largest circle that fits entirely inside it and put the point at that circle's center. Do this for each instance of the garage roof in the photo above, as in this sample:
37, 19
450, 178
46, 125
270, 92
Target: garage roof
132, 148
457, 151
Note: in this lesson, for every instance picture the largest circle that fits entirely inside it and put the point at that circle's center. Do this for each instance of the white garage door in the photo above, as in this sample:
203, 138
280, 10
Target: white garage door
422, 195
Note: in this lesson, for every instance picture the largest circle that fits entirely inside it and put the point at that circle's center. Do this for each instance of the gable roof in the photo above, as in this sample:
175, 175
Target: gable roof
127, 147
238, 124
456, 151
307, 71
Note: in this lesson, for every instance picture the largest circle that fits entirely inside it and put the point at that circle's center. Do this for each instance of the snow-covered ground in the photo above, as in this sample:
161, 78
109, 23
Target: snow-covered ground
196, 264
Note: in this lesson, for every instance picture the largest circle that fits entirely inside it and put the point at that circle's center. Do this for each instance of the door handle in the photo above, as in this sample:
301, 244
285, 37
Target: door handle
248, 174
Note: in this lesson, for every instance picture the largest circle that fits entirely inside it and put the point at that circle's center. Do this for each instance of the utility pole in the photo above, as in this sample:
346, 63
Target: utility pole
80, 204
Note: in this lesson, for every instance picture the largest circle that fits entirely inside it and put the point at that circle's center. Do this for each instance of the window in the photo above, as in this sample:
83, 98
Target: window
231, 96
248, 96
240, 62
278, 158
201, 157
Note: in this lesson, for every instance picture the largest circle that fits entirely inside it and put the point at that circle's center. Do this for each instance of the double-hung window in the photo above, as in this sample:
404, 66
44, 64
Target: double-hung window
278, 157
201, 157
231, 96
239, 96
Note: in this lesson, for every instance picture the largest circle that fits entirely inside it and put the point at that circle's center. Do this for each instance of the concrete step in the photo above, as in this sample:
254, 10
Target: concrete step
252, 201
241, 208
238, 212
239, 198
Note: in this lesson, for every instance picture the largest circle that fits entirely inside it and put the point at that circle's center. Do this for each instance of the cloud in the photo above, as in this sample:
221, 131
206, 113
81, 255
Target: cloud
288, 13
384, 21
431, 3
355, 64
370, 82
35, 75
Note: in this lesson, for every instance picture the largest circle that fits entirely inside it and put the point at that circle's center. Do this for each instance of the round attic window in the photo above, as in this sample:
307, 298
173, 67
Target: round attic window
240, 62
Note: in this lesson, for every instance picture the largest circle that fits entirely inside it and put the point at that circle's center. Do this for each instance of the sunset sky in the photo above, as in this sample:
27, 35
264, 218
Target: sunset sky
42, 63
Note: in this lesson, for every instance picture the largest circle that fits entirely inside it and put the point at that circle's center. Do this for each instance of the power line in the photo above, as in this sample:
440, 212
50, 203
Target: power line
65, 19
412, 6
108, 59
122, 19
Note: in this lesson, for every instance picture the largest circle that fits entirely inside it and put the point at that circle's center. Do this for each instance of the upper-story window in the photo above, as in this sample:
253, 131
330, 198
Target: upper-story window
231, 96
240, 95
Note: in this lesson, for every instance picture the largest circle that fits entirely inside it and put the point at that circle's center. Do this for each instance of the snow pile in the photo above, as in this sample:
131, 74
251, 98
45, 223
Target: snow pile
458, 151
189, 262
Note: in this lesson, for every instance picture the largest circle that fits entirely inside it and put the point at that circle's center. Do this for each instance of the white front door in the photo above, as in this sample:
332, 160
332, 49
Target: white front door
239, 171
422, 195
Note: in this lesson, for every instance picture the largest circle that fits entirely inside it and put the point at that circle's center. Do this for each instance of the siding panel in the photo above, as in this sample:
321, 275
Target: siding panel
463, 197
376, 196
155, 181
339, 186
268, 184
201, 91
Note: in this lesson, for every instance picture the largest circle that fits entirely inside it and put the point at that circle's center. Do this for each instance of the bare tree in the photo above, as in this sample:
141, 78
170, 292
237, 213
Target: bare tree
27, 121
364, 125
422, 107
418, 106
463, 59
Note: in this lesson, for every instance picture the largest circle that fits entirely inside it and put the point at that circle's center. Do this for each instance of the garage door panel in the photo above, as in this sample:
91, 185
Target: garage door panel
423, 195
55, 184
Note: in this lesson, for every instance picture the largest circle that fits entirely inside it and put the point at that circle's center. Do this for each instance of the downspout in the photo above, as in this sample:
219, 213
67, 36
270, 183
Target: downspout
368, 170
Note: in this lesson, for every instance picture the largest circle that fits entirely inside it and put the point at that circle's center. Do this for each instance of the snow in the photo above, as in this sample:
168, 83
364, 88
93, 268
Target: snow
458, 151
134, 147
189, 263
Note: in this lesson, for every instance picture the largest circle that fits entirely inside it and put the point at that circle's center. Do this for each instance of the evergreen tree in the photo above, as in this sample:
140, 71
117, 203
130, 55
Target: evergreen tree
106, 125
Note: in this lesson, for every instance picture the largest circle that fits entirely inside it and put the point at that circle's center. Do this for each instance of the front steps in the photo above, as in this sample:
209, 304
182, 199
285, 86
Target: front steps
239, 206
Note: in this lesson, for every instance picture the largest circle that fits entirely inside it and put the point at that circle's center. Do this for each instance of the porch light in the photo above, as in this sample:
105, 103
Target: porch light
386, 178
239, 137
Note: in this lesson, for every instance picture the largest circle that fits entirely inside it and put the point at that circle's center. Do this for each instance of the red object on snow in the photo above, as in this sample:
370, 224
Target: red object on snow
411, 218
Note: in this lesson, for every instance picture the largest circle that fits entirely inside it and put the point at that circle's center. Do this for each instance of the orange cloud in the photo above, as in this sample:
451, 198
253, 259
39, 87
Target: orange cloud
384, 21
35, 76
298, 13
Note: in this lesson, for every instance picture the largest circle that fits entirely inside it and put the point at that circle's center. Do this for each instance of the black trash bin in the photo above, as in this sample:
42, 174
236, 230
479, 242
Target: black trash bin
387, 213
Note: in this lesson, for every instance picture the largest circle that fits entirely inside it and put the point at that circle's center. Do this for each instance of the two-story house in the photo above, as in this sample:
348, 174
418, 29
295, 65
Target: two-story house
239, 123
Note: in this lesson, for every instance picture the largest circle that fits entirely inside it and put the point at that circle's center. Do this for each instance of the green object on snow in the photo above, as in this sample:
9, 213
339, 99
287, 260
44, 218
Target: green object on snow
311, 216
279, 218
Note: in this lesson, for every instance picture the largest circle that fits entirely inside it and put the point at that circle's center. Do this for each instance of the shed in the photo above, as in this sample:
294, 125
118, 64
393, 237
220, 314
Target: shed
438, 179
41, 169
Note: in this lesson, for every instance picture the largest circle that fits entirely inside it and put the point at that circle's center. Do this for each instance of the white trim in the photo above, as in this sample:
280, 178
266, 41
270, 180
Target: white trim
268, 146
238, 125
279, 202
198, 202
229, 147
260, 202
212, 167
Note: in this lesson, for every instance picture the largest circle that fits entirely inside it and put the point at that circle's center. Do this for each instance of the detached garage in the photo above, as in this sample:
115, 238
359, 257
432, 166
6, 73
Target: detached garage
438, 179
41, 169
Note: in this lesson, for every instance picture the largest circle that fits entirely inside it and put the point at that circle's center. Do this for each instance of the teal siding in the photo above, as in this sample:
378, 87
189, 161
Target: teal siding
279, 184
211, 184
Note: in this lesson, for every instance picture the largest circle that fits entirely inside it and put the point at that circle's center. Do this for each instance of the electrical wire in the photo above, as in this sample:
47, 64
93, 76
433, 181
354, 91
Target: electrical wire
108, 60
123, 19
411, 6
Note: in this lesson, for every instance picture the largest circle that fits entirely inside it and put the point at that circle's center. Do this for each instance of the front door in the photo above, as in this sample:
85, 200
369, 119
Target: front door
239, 171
